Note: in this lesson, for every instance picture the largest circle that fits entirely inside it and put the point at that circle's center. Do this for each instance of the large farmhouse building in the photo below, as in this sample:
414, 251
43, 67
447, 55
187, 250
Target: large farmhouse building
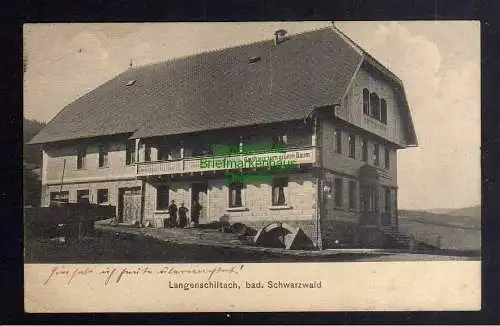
144, 138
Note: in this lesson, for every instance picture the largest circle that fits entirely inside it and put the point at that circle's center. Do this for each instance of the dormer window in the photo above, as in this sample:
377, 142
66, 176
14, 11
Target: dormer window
366, 101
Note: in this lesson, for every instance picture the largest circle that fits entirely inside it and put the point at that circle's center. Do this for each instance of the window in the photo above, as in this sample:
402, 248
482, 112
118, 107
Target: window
364, 147
102, 196
162, 197
235, 190
81, 157
352, 145
338, 192
164, 153
387, 158
383, 111
130, 152
366, 101
387, 199
82, 196
352, 194
338, 140
60, 197
375, 106
278, 194
279, 141
147, 152
103, 156
376, 154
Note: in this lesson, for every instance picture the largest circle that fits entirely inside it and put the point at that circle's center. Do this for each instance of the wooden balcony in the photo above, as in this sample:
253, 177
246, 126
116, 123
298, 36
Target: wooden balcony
243, 161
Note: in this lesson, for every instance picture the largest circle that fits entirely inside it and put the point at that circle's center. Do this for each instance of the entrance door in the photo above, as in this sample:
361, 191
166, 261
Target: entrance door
369, 205
129, 205
199, 192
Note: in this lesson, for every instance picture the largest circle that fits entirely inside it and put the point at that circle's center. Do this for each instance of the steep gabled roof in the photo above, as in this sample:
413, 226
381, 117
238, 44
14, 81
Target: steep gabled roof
217, 89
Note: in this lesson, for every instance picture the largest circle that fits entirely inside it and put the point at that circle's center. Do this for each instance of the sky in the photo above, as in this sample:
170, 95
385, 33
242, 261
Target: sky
438, 62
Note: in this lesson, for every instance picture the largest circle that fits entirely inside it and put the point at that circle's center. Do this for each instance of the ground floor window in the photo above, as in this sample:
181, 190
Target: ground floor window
235, 190
352, 194
102, 196
338, 192
62, 196
278, 193
162, 197
82, 196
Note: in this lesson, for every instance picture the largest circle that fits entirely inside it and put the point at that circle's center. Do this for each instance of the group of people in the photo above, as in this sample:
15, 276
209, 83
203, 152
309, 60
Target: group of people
182, 212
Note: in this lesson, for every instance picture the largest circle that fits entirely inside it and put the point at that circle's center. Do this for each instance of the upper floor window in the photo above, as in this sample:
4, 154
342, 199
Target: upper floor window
337, 134
235, 192
375, 106
352, 145
81, 156
147, 152
376, 154
339, 192
366, 101
364, 149
164, 152
130, 152
387, 158
383, 111
103, 156
278, 194
279, 141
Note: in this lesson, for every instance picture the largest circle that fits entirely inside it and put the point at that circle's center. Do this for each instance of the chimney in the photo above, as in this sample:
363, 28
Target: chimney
279, 36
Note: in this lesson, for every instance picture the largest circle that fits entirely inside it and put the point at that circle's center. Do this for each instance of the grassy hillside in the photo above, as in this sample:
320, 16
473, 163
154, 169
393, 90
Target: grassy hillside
457, 232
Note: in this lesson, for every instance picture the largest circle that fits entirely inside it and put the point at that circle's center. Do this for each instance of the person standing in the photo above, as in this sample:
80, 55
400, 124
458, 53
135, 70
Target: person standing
195, 217
172, 211
182, 216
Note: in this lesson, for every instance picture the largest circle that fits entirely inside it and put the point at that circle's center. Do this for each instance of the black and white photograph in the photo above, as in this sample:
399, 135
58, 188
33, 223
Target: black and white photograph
250, 142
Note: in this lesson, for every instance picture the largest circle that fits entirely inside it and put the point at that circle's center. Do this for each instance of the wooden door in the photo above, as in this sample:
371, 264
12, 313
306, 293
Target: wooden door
199, 192
130, 205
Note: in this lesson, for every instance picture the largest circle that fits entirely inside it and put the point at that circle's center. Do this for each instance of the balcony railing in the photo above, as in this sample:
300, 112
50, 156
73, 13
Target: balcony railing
227, 162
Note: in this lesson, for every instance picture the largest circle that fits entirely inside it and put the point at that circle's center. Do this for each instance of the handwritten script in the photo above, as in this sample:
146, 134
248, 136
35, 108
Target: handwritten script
115, 275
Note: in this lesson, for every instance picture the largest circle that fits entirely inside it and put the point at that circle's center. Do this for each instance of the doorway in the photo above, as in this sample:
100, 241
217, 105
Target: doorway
129, 205
199, 192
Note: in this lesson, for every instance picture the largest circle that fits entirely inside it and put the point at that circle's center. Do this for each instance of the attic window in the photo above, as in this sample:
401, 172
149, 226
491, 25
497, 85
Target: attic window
131, 82
253, 59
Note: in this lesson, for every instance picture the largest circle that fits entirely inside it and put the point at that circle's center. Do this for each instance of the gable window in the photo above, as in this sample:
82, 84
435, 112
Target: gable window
82, 196
364, 149
162, 197
337, 134
352, 194
376, 154
147, 152
81, 156
278, 193
366, 101
375, 106
383, 111
352, 145
59, 197
338, 192
387, 158
235, 190
102, 196
103, 156
130, 152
